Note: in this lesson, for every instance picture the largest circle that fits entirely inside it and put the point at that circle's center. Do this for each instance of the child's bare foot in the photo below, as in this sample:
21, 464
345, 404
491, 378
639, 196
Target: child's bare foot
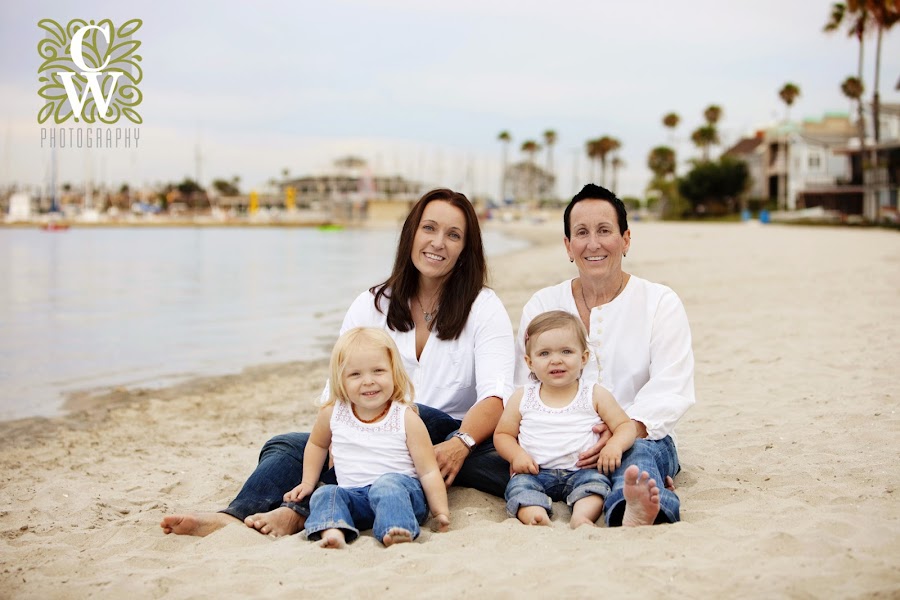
533, 515
396, 535
199, 524
278, 522
333, 539
586, 511
641, 498
576, 522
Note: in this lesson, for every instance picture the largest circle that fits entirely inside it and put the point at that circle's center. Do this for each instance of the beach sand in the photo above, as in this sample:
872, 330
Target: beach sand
790, 456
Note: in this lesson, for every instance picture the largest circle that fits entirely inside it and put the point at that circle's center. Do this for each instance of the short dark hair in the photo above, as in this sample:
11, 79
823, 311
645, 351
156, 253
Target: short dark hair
595, 192
465, 282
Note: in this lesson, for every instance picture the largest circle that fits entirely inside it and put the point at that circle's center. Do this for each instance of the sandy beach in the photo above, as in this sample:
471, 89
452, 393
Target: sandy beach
790, 457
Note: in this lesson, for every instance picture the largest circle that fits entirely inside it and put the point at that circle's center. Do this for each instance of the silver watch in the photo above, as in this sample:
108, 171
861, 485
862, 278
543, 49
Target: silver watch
467, 439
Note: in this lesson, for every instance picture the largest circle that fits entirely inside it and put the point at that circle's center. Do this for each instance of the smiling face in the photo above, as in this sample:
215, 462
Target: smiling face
368, 379
556, 356
439, 240
596, 244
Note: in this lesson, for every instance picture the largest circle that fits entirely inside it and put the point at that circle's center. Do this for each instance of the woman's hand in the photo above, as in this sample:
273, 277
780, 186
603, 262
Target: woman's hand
588, 458
450, 457
299, 493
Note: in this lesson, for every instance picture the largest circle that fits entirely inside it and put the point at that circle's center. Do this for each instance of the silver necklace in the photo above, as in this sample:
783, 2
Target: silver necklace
616, 295
429, 315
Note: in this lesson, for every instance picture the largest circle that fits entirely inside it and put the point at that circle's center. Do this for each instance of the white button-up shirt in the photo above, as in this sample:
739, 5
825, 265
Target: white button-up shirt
640, 350
451, 375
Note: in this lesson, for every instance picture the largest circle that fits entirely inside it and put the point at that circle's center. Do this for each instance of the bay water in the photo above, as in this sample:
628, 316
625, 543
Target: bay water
96, 308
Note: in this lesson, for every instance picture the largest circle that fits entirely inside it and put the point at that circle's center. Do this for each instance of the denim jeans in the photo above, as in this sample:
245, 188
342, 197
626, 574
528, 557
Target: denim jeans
548, 485
659, 458
394, 500
280, 468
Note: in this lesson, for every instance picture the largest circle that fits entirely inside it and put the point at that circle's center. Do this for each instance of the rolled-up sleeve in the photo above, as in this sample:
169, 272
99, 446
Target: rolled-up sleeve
494, 349
669, 392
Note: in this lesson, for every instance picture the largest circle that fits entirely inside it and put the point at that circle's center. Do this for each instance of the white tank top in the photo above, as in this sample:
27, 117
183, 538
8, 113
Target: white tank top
554, 437
363, 452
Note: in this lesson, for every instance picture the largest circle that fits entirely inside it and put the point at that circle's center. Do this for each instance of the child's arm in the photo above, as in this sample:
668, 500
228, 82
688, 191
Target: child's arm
422, 452
506, 438
314, 456
623, 428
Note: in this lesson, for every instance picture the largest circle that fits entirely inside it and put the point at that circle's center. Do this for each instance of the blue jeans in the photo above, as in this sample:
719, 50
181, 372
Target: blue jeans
280, 468
548, 485
394, 500
659, 458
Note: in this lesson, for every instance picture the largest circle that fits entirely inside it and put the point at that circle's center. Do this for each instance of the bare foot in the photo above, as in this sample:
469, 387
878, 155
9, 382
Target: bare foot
586, 511
576, 522
670, 484
533, 515
641, 498
199, 524
396, 535
333, 539
278, 522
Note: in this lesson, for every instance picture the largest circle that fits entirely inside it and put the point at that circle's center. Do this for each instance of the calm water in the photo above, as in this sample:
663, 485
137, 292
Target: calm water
96, 308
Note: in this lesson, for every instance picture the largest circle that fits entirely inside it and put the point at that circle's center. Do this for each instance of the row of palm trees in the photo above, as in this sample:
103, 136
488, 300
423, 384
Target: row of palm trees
861, 18
530, 148
599, 151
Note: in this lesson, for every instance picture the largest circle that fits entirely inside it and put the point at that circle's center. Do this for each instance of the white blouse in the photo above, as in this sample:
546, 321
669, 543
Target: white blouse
640, 350
451, 375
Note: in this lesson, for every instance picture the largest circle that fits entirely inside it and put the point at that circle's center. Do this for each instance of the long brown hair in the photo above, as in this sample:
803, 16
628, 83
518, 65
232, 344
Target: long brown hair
463, 285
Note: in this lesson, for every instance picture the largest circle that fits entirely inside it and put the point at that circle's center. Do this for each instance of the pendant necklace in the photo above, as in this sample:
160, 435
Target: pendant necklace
429, 315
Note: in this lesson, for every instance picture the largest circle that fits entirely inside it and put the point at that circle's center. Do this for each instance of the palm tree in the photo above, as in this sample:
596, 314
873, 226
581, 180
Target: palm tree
704, 137
505, 139
885, 14
531, 147
671, 121
605, 145
788, 94
661, 161
549, 140
617, 163
712, 114
592, 149
840, 11
852, 87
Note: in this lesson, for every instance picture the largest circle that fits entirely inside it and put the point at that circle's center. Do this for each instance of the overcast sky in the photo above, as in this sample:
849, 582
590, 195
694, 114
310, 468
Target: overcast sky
422, 89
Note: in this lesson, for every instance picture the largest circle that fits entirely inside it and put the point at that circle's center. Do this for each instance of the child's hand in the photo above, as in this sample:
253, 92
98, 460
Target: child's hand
523, 463
440, 523
610, 459
299, 493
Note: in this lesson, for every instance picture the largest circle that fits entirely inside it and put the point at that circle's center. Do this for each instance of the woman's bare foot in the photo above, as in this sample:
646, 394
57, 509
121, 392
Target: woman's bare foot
396, 535
533, 515
278, 522
199, 524
333, 539
641, 498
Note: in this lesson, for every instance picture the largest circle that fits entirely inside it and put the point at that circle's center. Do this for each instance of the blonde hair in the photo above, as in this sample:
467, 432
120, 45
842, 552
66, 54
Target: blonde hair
356, 338
555, 319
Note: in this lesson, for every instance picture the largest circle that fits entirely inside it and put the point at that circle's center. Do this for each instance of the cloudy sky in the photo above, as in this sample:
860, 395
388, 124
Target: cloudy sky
422, 89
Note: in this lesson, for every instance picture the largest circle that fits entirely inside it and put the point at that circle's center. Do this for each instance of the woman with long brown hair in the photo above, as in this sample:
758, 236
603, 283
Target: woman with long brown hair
456, 342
